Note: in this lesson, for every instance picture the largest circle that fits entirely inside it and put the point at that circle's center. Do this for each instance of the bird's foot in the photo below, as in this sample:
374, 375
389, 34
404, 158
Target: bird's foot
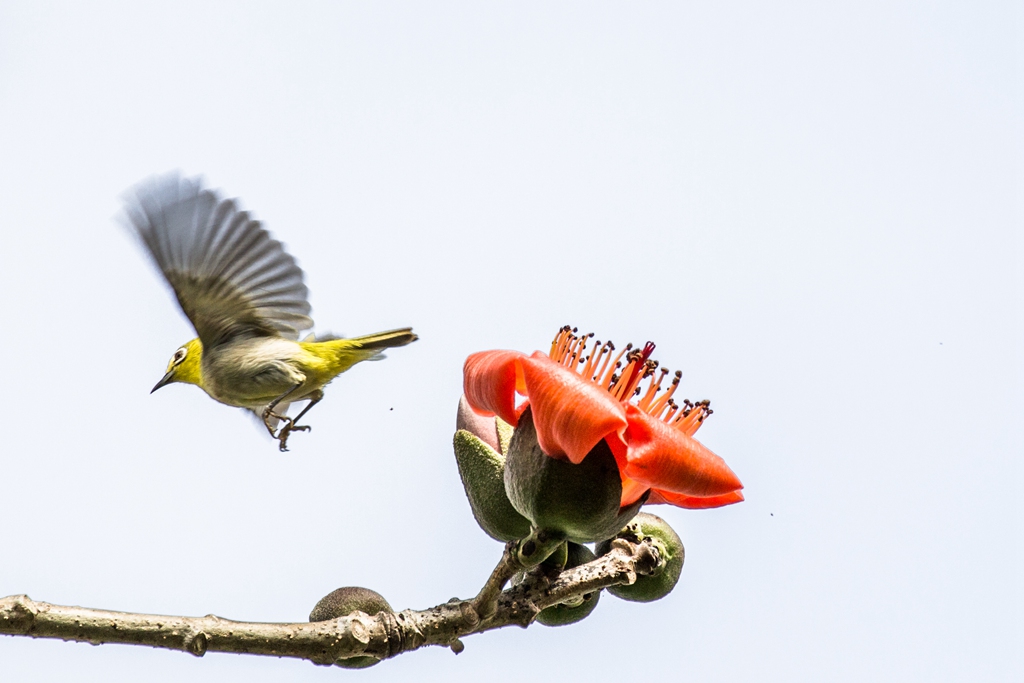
268, 415
286, 430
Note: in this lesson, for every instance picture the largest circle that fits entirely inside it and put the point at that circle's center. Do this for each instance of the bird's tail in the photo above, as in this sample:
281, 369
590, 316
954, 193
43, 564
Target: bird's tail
339, 355
386, 340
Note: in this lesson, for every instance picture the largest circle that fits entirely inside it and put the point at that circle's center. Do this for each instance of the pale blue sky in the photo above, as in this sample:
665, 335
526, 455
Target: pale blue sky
810, 208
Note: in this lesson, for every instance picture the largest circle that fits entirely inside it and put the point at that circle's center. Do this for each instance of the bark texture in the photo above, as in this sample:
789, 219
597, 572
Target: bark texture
357, 635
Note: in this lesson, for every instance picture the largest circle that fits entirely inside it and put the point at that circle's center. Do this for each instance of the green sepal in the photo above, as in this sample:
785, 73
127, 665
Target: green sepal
482, 470
561, 615
345, 601
656, 531
579, 502
505, 432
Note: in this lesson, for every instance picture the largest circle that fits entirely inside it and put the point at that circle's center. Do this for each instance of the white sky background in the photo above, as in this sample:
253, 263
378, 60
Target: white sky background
809, 207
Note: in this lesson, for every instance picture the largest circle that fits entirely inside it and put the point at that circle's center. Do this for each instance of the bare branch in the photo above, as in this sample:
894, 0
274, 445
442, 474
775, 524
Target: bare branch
326, 642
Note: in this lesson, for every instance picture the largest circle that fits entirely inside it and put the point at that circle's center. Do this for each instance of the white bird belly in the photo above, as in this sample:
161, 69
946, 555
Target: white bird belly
251, 373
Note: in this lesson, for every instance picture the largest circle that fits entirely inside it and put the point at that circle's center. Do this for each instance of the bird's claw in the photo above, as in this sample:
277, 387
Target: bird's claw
288, 428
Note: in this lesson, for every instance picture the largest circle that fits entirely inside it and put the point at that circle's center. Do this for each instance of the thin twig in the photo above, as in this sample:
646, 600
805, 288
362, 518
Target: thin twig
486, 601
383, 635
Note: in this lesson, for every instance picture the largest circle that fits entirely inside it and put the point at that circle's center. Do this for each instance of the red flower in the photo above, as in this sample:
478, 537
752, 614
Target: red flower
578, 400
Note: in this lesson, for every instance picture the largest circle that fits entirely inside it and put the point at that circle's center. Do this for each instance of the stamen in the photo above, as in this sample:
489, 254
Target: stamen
595, 356
563, 344
652, 389
609, 378
575, 350
557, 341
667, 396
607, 353
569, 349
621, 382
693, 417
637, 370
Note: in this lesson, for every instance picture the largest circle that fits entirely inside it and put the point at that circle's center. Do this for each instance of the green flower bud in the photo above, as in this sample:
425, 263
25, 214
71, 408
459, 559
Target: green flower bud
576, 502
345, 601
482, 470
560, 615
655, 530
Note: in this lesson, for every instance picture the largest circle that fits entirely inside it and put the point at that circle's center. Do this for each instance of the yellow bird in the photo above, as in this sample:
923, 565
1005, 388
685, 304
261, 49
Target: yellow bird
245, 296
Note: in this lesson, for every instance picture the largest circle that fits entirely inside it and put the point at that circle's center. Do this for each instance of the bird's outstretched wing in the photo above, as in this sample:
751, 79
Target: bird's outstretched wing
232, 279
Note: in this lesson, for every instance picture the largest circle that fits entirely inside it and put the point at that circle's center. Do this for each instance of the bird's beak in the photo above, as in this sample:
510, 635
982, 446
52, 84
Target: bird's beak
167, 379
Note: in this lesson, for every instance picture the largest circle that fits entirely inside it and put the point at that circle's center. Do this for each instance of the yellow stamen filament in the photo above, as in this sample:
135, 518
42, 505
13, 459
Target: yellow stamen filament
595, 356
606, 351
575, 351
652, 389
563, 340
692, 417
667, 396
553, 353
609, 376
618, 388
633, 378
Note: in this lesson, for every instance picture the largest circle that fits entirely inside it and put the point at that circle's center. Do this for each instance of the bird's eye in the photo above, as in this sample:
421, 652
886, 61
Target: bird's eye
179, 355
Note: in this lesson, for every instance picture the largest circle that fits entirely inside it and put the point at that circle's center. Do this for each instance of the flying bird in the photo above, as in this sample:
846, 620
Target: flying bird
245, 297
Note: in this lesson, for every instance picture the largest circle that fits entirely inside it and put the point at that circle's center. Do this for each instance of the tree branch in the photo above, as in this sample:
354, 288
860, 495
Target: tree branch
381, 636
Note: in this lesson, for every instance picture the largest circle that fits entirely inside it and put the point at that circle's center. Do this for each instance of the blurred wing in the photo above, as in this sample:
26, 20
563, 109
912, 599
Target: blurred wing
231, 278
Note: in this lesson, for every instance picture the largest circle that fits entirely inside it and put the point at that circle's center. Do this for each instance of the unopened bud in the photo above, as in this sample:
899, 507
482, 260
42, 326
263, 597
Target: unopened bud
656, 532
571, 611
345, 601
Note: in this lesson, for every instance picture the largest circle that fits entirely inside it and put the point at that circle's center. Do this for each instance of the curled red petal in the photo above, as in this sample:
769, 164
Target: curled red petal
694, 502
571, 414
665, 458
490, 380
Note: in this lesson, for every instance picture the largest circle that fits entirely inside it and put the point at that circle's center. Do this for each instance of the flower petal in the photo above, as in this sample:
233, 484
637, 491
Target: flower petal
631, 490
665, 458
571, 414
483, 428
490, 380
694, 502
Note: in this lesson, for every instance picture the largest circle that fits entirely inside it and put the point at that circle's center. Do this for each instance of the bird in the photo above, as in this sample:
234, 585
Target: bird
247, 300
